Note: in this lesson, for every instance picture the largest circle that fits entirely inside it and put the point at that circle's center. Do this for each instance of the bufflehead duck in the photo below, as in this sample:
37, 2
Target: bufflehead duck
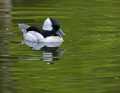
51, 36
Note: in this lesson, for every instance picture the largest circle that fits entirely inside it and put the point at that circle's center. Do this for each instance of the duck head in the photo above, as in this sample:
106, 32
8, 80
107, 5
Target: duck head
51, 24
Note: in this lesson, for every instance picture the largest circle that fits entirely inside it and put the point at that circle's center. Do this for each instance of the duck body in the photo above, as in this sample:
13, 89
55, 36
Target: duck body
53, 41
36, 39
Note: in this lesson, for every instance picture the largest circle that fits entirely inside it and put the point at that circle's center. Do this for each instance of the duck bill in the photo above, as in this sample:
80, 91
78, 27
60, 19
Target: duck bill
61, 33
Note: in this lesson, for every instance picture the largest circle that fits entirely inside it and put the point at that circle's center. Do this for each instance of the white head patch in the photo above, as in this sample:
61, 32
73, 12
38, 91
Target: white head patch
47, 25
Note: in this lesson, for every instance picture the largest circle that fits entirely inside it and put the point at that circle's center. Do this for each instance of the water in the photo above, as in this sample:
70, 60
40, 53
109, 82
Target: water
91, 49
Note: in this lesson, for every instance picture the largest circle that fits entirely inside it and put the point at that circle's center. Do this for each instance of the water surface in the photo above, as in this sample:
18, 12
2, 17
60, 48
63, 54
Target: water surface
91, 48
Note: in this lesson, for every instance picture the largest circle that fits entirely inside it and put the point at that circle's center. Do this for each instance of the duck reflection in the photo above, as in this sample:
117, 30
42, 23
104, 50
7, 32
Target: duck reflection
51, 54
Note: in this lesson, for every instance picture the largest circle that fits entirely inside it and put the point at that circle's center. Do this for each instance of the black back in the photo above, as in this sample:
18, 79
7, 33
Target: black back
33, 28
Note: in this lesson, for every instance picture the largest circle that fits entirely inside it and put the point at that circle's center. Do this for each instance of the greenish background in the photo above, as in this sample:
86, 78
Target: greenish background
91, 62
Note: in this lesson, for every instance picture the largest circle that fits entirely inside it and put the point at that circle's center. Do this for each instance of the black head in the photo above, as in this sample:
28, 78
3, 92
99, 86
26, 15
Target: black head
55, 24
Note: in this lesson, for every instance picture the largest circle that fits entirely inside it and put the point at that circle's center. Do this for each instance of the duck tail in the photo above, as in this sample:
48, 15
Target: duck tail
23, 27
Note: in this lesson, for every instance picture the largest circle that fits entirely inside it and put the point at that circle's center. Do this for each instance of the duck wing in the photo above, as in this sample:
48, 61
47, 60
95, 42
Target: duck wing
34, 39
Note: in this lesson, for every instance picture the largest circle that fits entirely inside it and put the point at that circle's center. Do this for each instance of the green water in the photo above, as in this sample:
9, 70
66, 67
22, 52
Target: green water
91, 49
